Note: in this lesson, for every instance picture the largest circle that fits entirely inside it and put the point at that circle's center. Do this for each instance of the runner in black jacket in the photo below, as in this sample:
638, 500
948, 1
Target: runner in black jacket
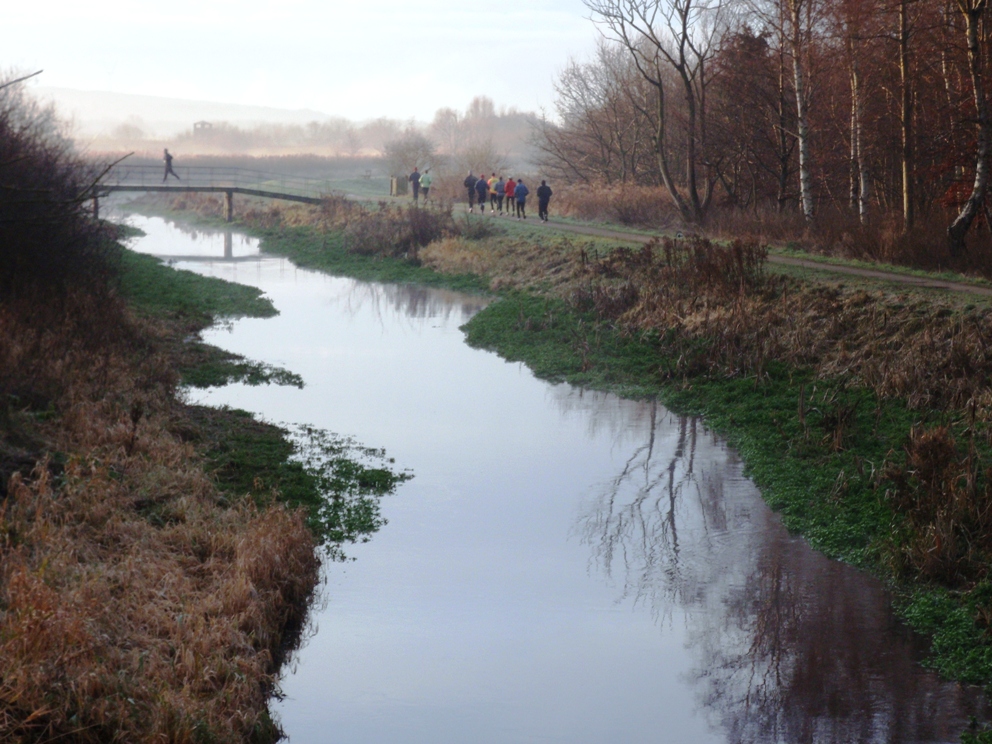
543, 199
469, 184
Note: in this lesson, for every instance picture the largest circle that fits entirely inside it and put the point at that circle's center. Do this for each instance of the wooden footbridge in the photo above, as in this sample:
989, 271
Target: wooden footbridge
206, 179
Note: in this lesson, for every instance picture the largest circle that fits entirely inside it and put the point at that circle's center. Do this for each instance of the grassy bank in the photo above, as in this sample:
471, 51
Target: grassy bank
156, 559
862, 413
336, 481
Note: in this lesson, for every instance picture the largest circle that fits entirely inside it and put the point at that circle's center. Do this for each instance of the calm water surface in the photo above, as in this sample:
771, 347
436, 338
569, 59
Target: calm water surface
565, 566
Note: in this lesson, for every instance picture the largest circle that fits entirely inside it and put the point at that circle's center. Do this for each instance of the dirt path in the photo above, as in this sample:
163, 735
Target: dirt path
878, 275
919, 282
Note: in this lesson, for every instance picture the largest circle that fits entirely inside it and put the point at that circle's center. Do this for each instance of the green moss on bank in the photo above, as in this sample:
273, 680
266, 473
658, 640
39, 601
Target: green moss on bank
822, 474
313, 249
192, 302
154, 288
336, 481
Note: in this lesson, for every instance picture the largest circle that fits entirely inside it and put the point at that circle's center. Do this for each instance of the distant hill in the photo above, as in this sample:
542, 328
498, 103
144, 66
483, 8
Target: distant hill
98, 113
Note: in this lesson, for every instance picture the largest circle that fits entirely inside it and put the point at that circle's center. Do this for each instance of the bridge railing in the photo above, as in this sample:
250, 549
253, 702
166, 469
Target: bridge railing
124, 175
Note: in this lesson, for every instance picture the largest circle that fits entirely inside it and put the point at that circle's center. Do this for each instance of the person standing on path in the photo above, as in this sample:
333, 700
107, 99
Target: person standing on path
168, 167
425, 183
543, 199
511, 199
521, 193
482, 191
469, 183
415, 183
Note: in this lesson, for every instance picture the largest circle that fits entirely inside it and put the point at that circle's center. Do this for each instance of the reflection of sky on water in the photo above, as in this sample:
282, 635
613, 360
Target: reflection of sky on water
202, 242
565, 566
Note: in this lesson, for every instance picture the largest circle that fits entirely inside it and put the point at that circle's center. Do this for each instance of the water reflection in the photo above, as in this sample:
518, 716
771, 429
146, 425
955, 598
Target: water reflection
473, 616
198, 244
786, 643
407, 301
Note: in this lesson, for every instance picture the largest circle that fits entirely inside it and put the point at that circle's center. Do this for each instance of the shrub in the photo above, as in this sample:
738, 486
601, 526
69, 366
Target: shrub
624, 203
48, 238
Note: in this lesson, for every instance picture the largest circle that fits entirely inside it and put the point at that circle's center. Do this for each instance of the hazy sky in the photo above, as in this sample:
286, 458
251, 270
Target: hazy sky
360, 59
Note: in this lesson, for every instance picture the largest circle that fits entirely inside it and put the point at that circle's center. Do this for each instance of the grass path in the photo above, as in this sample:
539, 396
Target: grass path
820, 266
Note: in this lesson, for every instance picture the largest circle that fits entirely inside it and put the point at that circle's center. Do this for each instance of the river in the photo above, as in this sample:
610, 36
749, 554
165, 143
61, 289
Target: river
565, 566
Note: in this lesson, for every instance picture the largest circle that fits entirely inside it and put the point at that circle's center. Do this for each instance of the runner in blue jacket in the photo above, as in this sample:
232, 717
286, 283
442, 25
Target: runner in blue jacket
521, 193
482, 190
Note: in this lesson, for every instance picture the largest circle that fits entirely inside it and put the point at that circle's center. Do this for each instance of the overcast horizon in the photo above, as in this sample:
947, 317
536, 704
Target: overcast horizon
397, 60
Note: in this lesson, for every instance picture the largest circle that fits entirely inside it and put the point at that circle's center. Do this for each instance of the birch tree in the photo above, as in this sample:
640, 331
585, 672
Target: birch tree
973, 11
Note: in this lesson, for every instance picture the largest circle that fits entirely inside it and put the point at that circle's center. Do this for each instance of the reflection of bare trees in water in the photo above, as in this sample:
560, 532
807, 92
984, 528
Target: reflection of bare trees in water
411, 301
791, 647
604, 412
635, 521
814, 655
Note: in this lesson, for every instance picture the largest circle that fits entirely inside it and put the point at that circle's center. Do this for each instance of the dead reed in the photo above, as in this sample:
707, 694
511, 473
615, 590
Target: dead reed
626, 204
136, 604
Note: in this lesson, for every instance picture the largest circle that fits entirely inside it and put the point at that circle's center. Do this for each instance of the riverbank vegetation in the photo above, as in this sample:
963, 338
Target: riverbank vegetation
861, 411
156, 559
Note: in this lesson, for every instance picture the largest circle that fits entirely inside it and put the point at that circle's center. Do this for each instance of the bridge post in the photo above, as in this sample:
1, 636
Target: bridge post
96, 207
230, 205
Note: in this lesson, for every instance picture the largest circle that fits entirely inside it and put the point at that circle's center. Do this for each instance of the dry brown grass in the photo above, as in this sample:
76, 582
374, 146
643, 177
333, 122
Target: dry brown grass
945, 496
626, 204
136, 604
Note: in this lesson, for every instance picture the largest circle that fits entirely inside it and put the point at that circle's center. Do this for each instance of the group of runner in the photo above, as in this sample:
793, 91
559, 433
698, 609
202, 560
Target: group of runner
514, 192
494, 191
421, 183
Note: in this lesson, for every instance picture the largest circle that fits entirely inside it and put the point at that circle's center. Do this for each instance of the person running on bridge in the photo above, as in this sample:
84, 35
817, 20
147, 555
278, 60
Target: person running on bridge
425, 183
168, 167
543, 199
482, 191
521, 193
415, 182
469, 183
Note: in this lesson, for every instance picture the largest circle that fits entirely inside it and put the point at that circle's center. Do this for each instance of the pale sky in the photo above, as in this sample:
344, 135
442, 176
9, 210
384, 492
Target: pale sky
398, 58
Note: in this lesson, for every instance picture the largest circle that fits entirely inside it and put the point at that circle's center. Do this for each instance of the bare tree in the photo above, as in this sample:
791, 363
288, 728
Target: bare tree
411, 149
482, 156
906, 113
973, 10
671, 36
445, 129
600, 135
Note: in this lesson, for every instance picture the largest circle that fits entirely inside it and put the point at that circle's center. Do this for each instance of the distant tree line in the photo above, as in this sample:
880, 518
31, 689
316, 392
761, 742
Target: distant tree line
872, 108
480, 137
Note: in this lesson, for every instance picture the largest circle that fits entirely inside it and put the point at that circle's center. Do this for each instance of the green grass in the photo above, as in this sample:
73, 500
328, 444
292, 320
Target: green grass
338, 482
155, 288
312, 249
194, 302
948, 276
830, 497
376, 187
